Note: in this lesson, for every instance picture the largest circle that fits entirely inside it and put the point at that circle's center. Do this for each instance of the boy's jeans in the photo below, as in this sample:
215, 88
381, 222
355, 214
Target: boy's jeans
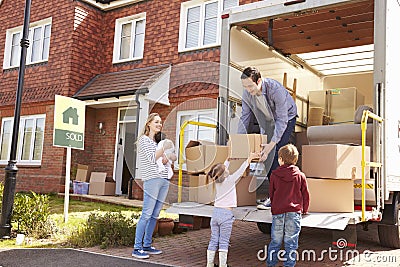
285, 227
155, 191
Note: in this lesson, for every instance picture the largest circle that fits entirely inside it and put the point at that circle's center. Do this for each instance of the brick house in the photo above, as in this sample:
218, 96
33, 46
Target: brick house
117, 56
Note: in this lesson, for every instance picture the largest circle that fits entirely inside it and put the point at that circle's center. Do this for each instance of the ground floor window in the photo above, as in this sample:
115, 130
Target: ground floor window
194, 132
30, 139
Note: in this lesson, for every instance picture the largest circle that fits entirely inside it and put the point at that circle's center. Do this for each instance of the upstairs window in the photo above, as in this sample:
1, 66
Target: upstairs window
39, 44
200, 24
129, 38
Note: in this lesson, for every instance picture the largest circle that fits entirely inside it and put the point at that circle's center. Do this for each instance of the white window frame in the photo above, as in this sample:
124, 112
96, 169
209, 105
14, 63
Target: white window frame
9, 35
117, 37
183, 24
195, 114
20, 143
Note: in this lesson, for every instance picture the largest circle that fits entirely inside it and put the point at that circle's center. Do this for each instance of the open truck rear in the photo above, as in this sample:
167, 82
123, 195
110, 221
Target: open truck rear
304, 41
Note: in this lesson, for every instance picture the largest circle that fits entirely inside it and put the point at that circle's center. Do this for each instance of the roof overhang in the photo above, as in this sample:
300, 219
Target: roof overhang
118, 89
106, 5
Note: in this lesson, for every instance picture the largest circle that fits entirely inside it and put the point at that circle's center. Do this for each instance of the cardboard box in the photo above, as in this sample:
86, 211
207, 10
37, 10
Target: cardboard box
246, 186
241, 145
331, 195
193, 188
83, 173
80, 188
206, 190
100, 186
202, 155
333, 161
246, 191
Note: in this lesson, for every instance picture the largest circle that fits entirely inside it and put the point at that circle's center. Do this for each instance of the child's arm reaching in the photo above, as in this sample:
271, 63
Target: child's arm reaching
237, 174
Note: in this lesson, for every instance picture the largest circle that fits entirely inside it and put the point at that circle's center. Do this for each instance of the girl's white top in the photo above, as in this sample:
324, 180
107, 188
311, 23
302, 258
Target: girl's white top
225, 196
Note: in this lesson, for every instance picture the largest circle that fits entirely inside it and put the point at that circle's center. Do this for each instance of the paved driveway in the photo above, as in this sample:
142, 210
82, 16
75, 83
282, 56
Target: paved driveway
64, 258
189, 249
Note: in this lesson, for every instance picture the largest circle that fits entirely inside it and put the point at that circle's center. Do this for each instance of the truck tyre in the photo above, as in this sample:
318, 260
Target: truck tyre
264, 227
389, 234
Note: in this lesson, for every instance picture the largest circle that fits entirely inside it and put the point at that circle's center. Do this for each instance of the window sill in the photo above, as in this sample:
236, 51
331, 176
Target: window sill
199, 48
136, 59
24, 165
28, 65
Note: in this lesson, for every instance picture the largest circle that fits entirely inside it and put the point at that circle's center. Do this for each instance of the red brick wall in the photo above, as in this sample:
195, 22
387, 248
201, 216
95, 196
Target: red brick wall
82, 46
47, 177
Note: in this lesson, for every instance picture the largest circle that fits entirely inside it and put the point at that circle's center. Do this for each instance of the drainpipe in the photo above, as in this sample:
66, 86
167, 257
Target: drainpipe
133, 177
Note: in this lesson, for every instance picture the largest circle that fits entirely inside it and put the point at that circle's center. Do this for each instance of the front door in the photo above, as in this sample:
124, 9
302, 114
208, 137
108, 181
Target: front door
124, 160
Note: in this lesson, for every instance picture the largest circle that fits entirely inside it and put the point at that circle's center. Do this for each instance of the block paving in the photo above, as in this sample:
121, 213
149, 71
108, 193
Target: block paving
189, 248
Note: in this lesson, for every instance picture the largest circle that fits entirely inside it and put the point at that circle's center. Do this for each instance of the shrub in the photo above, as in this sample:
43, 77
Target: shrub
31, 213
110, 229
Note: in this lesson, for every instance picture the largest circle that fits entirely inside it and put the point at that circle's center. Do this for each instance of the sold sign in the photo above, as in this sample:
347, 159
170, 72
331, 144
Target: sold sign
69, 122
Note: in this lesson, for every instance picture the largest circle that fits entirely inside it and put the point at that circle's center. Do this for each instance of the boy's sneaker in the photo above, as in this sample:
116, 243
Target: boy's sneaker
264, 206
140, 254
152, 250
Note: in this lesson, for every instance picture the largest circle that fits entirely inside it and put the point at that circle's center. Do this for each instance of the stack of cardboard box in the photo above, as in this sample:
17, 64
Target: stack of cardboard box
202, 155
331, 172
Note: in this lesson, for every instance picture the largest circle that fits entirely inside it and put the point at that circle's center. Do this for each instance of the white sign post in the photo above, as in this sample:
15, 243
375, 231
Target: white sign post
69, 131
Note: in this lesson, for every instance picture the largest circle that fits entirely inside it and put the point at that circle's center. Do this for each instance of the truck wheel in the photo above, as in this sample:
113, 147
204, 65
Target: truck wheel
389, 234
265, 228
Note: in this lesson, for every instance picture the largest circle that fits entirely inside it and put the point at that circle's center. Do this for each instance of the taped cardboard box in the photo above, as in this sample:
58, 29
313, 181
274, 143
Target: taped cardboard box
99, 185
83, 173
334, 161
202, 155
331, 195
241, 145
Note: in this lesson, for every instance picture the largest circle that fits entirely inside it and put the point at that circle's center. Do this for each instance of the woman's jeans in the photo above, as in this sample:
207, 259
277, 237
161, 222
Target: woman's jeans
285, 227
155, 192
221, 229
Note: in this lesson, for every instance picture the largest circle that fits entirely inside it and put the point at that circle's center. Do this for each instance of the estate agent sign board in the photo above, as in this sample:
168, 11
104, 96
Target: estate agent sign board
69, 122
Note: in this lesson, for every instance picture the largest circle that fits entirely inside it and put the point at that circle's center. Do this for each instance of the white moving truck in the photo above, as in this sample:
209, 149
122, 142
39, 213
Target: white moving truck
323, 44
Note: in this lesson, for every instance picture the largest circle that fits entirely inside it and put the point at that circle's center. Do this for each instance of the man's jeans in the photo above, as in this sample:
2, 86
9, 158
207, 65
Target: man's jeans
283, 142
155, 193
285, 227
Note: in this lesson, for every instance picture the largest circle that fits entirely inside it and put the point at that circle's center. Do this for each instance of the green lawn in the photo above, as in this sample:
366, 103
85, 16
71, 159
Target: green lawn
78, 213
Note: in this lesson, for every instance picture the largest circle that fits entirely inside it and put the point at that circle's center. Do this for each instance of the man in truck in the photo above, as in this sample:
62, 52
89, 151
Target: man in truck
269, 103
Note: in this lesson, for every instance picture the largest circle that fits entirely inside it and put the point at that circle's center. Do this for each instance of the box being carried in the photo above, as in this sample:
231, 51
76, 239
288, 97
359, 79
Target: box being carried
202, 155
100, 186
241, 145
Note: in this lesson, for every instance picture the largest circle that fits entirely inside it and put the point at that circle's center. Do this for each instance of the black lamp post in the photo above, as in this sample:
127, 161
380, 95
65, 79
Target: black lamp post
11, 169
